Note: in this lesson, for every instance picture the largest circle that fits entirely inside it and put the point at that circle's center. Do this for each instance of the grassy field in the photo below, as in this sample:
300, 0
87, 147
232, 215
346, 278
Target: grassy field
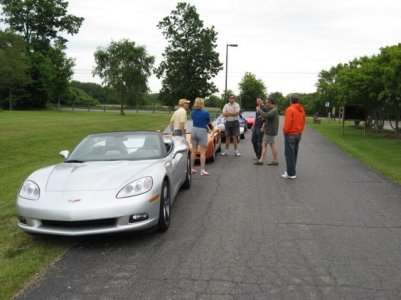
379, 150
28, 141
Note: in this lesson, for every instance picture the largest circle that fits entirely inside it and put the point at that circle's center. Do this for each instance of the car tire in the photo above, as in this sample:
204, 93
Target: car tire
188, 176
165, 206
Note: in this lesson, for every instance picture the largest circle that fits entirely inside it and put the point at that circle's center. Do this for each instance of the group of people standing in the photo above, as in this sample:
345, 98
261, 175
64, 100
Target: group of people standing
264, 130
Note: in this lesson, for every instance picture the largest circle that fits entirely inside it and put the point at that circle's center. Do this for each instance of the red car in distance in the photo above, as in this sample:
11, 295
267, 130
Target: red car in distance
249, 117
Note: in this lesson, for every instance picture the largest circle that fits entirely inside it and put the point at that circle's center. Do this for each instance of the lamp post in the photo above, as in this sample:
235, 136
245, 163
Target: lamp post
225, 87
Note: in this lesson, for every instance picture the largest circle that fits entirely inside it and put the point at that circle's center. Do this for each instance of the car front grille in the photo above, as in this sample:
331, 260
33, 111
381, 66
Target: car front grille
79, 224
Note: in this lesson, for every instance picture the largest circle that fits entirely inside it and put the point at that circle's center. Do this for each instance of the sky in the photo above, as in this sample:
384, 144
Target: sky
284, 43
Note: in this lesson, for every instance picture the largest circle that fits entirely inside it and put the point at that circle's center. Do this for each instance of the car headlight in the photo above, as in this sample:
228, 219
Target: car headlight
136, 187
29, 190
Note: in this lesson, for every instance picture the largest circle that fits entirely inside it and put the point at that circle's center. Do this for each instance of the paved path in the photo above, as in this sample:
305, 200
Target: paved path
246, 233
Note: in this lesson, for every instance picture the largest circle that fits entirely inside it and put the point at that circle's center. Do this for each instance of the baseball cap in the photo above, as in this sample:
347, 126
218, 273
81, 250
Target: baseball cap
183, 101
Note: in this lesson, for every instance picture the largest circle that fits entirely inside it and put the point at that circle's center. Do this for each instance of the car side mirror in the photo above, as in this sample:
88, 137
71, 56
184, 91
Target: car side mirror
65, 153
181, 148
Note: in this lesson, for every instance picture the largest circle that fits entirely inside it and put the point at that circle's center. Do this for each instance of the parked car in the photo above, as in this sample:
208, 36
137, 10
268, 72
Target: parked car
243, 123
220, 121
213, 141
249, 117
111, 182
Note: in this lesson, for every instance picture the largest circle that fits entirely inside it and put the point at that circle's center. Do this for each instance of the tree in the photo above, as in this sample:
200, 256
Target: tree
125, 67
214, 101
389, 61
14, 65
76, 96
93, 89
250, 88
190, 61
40, 21
43, 24
60, 75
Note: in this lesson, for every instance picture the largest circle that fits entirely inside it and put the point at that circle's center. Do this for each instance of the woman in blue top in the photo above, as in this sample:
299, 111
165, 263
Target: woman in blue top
201, 120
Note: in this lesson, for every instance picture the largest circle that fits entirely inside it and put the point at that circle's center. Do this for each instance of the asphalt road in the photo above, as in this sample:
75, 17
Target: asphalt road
246, 233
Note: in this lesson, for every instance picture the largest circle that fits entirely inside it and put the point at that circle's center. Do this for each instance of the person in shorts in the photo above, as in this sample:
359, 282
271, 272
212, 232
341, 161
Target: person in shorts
199, 134
271, 128
231, 112
178, 120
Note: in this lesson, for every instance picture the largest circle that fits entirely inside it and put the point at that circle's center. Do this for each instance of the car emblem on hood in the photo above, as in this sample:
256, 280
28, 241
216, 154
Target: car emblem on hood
74, 200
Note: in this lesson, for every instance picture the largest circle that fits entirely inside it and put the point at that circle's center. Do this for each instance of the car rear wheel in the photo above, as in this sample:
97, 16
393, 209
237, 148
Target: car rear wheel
165, 205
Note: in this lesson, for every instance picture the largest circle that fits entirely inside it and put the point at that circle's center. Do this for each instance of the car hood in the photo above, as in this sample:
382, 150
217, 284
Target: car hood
94, 176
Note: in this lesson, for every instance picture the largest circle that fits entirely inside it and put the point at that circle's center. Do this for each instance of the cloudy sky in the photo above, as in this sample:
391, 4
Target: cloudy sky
285, 43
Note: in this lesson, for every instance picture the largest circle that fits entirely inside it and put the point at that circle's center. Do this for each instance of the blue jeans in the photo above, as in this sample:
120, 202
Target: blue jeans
291, 144
256, 140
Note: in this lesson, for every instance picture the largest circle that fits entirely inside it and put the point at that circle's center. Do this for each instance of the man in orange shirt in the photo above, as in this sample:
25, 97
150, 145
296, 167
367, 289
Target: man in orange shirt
294, 124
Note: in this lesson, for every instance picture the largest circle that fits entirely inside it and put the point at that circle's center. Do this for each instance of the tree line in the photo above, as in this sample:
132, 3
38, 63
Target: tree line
35, 71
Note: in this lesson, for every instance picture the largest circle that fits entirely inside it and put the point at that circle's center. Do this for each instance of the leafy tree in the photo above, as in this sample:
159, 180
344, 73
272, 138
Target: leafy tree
14, 65
60, 74
77, 97
389, 61
40, 21
125, 67
190, 61
93, 89
250, 88
214, 101
43, 24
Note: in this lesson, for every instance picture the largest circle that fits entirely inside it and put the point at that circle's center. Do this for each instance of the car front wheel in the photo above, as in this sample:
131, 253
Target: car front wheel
165, 205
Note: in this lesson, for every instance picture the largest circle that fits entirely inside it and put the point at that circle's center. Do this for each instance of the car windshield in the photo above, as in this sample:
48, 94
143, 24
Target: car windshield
118, 146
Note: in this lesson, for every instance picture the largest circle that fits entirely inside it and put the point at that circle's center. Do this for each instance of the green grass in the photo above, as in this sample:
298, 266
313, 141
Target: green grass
28, 141
379, 150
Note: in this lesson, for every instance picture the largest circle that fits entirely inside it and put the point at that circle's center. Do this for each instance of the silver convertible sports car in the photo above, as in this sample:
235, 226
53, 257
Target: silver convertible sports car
111, 182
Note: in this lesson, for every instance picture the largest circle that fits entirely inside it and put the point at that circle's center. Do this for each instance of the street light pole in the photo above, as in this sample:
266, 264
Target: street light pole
225, 87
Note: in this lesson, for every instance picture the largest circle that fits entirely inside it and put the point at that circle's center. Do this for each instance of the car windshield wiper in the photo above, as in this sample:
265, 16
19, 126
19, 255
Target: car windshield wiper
74, 161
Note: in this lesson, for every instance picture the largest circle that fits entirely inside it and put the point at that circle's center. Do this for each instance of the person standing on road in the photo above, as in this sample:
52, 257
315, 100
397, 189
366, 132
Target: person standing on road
199, 136
270, 131
231, 112
294, 123
256, 129
178, 120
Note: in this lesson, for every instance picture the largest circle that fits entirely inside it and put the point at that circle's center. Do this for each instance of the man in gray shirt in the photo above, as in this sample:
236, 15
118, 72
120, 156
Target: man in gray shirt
271, 128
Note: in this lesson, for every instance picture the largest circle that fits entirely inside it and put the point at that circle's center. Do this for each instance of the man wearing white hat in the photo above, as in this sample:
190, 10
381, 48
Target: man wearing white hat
179, 118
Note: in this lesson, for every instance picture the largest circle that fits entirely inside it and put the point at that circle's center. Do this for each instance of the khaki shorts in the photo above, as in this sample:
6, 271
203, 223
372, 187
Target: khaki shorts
269, 139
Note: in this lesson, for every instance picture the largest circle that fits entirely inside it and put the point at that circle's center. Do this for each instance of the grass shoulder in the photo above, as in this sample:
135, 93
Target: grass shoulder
378, 150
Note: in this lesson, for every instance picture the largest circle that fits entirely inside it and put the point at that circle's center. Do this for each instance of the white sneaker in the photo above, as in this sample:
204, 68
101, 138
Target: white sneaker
286, 176
237, 153
224, 153
204, 173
